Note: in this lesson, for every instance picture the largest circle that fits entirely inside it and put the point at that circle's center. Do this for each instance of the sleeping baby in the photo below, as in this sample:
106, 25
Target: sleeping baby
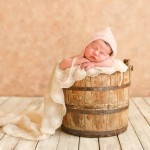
98, 52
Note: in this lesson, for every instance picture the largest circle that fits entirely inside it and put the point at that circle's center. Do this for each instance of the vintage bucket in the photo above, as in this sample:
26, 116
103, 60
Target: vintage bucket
98, 106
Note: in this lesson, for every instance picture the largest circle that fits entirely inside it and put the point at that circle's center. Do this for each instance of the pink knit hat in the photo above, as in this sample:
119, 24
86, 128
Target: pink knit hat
107, 36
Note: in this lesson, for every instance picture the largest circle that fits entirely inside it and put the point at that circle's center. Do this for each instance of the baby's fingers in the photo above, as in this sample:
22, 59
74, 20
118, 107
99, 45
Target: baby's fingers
83, 65
89, 66
85, 60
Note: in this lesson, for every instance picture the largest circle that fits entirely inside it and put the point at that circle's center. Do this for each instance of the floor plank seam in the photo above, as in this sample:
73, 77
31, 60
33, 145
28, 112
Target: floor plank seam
58, 140
36, 145
16, 144
119, 142
136, 134
99, 144
141, 113
79, 143
3, 136
146, 101
4, 102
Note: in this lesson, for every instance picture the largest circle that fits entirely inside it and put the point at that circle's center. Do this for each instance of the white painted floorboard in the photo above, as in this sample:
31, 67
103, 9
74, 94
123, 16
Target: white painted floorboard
137, 136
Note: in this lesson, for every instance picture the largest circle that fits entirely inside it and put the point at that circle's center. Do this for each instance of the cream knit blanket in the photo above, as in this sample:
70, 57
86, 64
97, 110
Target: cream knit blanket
41, 124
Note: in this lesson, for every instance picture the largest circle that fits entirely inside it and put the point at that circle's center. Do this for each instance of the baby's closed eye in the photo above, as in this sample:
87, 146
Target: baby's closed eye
95, 47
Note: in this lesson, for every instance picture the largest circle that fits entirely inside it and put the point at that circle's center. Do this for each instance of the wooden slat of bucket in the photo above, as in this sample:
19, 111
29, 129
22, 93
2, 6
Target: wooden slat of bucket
68, 96
87, 102
104, 95
120, 97
123, 97
82, 122
113, 94
126, 90
74, 120
88, 96
120, 102
88, 122
77, 94
96, 82
70, 120
126, 93
125, 118
99, 122
77, 120
120, 117
82, 104
123, 100
82, 93
113, 98
112, 121
73, 97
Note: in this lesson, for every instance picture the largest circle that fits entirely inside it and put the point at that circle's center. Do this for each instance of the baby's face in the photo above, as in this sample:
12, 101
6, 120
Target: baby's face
97, 51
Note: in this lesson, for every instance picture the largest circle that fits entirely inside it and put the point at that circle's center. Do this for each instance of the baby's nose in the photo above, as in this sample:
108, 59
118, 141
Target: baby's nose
96, 53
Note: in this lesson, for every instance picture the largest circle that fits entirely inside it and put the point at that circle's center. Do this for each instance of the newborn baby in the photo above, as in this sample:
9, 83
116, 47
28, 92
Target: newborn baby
98, 52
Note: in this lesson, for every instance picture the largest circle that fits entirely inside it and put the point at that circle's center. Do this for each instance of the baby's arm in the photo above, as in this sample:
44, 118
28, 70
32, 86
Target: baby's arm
67, 62
106, 63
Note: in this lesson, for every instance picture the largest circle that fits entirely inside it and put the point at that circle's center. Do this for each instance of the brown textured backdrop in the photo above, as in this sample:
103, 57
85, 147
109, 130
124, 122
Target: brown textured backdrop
34, 34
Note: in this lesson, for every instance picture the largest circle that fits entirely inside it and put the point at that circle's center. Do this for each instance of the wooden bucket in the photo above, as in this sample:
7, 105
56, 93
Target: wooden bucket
97, 106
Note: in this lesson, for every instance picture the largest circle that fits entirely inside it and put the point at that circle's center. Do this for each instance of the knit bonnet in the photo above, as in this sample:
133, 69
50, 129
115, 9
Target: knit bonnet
107, 36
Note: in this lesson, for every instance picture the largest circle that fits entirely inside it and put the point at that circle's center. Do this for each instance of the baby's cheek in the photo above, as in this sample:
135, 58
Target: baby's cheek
88, 51
105, 57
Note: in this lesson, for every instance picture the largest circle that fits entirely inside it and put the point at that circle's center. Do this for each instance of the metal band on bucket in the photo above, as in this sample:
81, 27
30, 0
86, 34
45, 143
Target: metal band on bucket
86, 133
70, 108
105, 88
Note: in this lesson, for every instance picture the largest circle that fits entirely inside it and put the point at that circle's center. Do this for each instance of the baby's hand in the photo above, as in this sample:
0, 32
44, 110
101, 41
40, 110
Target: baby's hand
81, 60
87, 65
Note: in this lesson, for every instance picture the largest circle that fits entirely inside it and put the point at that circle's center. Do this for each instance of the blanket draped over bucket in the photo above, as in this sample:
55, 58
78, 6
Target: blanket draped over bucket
42, 123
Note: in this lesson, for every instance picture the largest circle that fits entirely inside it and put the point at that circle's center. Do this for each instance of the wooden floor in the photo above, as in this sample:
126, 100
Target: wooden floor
137, 136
